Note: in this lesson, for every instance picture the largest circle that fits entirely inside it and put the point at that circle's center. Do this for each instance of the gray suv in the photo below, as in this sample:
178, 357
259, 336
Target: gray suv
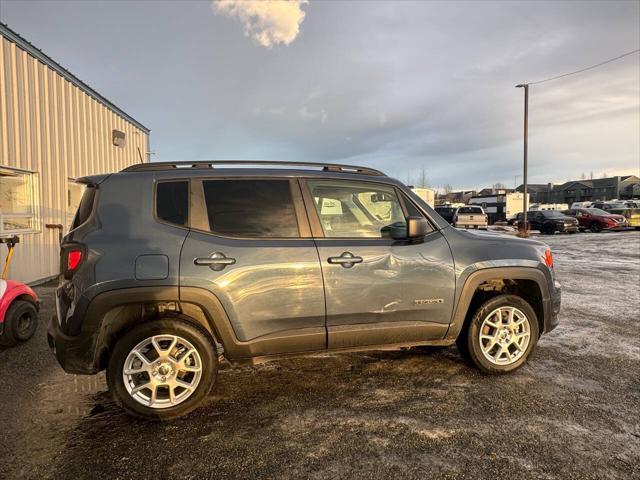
171, 268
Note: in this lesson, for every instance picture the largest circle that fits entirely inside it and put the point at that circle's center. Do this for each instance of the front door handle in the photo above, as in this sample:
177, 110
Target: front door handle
347, 260
216, 261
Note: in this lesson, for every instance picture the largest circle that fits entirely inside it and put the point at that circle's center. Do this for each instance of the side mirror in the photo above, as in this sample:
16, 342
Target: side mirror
417, 227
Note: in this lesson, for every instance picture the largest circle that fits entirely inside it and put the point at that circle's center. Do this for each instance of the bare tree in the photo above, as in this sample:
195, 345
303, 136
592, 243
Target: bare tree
499, 185
447, 188
591, 175
605, 175
583, 176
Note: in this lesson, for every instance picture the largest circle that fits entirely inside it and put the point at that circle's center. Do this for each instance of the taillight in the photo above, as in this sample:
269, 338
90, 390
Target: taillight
74, 257
548, 258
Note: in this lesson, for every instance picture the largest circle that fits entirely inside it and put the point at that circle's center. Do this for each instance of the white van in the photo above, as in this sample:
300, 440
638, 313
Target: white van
581, 204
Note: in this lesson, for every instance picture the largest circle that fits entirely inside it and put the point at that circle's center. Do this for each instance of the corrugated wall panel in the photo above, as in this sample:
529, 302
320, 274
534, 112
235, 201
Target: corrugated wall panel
51, 127
4, 147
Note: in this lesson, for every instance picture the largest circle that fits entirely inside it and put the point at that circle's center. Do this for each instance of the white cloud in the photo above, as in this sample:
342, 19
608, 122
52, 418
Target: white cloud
268, 22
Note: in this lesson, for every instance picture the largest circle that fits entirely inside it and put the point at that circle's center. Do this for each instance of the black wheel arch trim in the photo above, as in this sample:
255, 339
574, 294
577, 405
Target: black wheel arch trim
475, 279
94, 331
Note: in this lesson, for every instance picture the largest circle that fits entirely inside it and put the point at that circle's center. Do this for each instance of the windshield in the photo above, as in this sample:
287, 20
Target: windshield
597, 211
552, 213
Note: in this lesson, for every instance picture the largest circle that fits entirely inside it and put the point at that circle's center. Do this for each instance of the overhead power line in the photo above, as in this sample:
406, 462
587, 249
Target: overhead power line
585, 69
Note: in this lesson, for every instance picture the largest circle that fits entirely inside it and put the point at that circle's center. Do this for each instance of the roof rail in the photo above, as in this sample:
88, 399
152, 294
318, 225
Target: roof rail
328, 167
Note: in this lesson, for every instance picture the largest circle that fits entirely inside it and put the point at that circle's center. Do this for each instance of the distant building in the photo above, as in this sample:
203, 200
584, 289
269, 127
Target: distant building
493, 191
462, 196
538, 193
619, 187
54, 128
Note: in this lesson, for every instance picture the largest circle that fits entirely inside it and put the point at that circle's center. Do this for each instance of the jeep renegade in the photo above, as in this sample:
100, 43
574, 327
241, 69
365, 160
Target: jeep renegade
170, 268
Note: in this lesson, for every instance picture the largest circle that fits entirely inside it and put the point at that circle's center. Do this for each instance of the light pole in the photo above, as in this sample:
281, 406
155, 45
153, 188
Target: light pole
525, 226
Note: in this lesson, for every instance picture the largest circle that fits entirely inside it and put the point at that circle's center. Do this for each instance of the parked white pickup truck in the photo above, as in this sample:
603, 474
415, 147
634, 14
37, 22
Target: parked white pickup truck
470, 217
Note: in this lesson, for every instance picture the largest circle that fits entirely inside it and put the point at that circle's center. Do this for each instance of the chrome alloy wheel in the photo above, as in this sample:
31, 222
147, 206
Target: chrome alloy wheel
505, 335
162, 371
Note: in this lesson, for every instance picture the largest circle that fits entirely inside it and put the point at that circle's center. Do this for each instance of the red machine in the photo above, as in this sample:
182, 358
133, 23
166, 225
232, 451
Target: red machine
19, 304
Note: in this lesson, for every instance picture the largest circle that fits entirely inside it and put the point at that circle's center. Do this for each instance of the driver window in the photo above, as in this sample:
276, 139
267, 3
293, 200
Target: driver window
357, 209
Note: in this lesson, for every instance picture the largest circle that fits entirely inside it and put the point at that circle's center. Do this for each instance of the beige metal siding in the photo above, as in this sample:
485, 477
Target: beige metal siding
50, 126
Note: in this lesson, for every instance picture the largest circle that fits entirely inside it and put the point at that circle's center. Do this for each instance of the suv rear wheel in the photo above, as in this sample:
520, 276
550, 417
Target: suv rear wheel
501, 334
162, 369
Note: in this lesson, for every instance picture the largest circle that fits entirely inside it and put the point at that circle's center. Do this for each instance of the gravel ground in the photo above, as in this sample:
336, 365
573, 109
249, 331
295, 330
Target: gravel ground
571, 412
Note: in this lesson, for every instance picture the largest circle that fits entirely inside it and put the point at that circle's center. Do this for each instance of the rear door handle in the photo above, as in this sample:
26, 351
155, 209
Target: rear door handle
216, 261
347, 260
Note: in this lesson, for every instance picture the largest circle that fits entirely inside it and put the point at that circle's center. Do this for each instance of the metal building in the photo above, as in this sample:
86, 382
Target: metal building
54, 128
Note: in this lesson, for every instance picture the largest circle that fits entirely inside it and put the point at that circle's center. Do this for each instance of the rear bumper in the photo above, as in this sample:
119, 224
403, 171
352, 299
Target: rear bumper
471, 225
74, 353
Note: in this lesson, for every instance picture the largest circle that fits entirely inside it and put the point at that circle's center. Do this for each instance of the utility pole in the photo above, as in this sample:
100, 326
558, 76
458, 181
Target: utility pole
525, 230
525, 226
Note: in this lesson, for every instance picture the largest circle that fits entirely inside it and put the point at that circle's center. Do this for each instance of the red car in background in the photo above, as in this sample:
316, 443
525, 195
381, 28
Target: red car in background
597, 220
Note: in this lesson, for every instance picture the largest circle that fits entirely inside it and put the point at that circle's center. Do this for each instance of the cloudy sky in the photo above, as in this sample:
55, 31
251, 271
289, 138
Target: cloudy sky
402, 86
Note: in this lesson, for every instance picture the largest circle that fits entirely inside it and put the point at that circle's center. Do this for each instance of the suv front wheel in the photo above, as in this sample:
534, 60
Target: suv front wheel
162, 369
501, 334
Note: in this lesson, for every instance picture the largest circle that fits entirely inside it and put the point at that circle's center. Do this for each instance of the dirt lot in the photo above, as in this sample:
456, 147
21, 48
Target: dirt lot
572, 412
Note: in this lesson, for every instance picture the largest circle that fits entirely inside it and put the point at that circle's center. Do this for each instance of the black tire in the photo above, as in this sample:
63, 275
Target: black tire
20, 323
469, 342
548, 229
595, 227
200, 340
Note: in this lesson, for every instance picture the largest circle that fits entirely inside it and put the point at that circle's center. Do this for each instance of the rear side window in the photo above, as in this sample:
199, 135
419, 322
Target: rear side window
251, 208
172, 202
85, 207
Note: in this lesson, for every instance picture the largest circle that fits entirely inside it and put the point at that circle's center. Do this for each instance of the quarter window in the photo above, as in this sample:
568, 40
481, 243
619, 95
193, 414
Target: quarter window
85, 207
358, 209
74, 196
251, 208
17, 201
172, 202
